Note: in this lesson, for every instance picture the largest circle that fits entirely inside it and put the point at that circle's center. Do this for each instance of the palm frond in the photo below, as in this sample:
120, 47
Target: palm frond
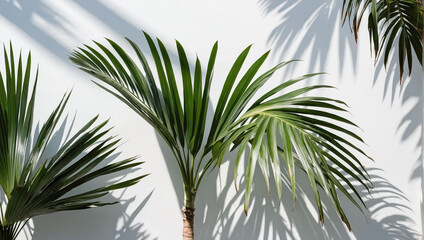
288, 130
388, 21
32, 184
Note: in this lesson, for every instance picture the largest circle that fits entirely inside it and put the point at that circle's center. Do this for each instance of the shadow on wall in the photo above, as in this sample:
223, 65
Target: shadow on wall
109, 18
24, 14
309, 25
97, 223
221, 222
411, 89
107, 222
297, 16
389, 199
413, 122
31, 15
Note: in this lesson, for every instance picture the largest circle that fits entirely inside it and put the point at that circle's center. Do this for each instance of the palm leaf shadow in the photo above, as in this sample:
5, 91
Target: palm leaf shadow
21, 13
302, 222
309, 25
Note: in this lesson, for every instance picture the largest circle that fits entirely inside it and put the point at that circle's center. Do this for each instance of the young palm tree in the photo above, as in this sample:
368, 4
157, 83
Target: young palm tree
33, 184
306, 132
389, 20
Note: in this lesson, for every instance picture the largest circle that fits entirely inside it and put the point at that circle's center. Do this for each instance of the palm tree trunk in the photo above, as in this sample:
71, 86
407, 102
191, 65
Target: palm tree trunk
188, 223
188, 214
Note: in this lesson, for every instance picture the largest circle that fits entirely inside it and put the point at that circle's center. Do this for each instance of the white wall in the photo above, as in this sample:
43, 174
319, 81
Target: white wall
389, 114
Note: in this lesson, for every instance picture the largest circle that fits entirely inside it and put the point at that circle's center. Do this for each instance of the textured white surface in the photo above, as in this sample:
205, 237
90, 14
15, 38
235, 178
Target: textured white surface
389, 114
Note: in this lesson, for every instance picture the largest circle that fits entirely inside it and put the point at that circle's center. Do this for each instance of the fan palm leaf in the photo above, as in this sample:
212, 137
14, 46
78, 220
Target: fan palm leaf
289, 131
33, 184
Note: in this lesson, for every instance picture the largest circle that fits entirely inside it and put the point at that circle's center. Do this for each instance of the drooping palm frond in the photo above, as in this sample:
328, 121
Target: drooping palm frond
311, 139
34, 185
306, 133
388, 21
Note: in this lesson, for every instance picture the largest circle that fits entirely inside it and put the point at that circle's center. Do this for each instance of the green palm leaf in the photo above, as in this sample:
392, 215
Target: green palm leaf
282, 131
34, 185
389, 20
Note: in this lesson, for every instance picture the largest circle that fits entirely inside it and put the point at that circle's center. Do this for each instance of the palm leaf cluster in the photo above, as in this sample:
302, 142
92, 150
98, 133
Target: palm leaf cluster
33, 184
287, 130
389, 20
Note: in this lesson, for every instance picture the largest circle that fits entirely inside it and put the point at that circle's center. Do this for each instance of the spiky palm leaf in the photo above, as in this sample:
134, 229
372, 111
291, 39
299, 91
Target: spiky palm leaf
389, 20
34, 185
323, 149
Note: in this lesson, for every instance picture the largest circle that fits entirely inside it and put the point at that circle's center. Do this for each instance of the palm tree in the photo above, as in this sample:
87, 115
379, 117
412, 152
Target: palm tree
389, 20
307, 132
33, 184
